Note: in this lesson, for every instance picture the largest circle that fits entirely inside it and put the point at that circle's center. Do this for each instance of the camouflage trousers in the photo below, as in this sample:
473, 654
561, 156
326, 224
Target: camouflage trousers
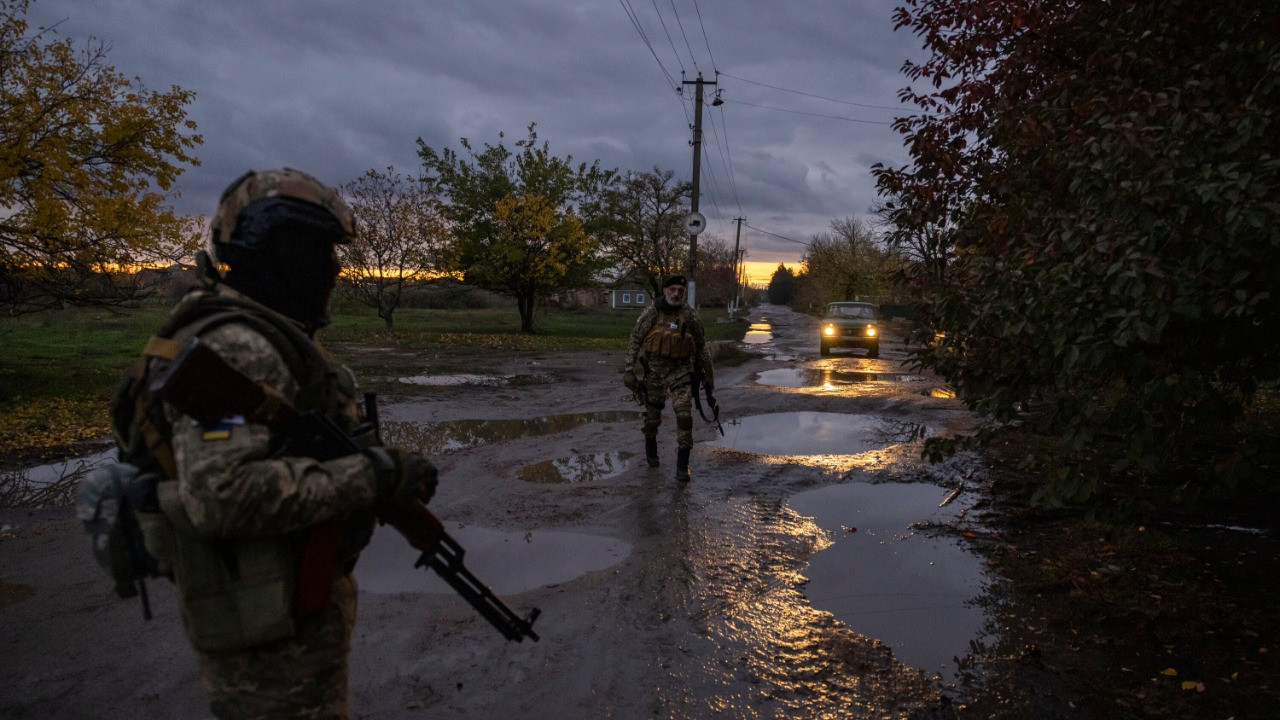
304, 676
660, 381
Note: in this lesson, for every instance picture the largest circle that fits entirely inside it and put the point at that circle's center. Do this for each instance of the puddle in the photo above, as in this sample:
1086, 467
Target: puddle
577, 469
450, 380
885, 580
509, 562
940, 392
826, 378
758, 333
816, 433
442, 437
66, 469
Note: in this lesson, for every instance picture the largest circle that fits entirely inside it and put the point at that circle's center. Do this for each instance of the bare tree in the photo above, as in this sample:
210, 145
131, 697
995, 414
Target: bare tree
717, 280
645, 234
844, 263
399, 233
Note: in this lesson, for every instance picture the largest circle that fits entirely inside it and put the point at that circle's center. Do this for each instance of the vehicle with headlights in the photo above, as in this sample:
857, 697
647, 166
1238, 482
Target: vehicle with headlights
850, 324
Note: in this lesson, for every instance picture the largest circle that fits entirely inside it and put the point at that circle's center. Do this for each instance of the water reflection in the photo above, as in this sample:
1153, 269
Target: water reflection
449, 380
946, 392
758, 333
826, 378
510, 562
577, 468
773, 654
450, 435
885, 580
64, 469
816, 433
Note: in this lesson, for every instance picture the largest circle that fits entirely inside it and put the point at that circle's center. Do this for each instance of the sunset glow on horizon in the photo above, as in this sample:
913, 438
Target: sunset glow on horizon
759, 272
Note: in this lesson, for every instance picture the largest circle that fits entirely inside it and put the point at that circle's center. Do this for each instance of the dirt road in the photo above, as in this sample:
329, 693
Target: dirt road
659, 599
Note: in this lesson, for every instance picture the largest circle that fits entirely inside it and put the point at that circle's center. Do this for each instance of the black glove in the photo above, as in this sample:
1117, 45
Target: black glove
629, 379
402, 477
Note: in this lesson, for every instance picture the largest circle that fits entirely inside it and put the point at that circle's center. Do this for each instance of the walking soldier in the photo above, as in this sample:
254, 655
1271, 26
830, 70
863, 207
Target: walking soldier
666, 348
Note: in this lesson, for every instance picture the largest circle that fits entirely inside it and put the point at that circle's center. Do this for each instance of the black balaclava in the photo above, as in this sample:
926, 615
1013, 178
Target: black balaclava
282, 255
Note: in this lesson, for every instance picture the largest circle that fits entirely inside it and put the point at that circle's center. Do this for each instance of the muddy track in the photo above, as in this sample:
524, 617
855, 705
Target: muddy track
705, 616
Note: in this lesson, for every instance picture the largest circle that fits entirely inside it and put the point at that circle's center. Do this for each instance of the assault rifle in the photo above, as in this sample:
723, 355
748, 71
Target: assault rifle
695, 380
200, 384
641, 394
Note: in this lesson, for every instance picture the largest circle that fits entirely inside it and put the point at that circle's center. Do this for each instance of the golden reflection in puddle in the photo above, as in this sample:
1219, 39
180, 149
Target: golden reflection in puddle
810, 433
450, 435
832, 378
945, 392
758, 333
869, 461
796, 661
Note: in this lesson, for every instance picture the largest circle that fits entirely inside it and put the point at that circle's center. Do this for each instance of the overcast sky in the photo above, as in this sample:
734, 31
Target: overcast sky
336, 88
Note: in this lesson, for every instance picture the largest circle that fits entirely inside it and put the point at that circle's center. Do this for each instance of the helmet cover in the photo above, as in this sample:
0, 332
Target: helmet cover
285, 183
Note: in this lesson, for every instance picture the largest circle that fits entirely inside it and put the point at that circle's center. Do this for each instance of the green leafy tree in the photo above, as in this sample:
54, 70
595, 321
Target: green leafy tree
399, 233
782, 285
1103, 178
644, 226
521, 220
88, 160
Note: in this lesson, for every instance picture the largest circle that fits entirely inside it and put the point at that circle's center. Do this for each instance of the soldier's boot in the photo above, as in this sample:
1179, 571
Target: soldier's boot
682, 464
651, 451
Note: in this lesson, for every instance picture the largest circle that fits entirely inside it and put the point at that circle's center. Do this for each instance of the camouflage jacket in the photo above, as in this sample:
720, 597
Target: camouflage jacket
683, 319
229, 484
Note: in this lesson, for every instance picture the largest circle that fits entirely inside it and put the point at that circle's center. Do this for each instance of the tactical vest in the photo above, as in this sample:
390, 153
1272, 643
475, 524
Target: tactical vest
669, 340
234, 593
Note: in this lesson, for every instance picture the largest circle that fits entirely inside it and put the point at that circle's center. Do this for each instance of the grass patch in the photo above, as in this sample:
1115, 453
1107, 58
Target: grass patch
58, 369
498, 328
73, 354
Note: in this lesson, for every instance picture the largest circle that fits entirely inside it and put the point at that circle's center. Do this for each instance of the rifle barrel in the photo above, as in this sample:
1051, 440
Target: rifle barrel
446, 561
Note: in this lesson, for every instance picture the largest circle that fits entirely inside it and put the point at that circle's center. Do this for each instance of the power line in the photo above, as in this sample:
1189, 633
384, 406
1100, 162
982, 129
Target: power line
723, 147
704, 36
780, 237
668, 32
720, 214
635, 22
801, 112
683, 35
820, 97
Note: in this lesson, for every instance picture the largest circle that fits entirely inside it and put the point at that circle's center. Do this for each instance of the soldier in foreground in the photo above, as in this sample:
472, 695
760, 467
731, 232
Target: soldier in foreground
262, 532
667, 347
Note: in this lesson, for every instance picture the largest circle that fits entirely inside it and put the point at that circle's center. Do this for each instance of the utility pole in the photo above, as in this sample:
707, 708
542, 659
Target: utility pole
734, 304
697, 172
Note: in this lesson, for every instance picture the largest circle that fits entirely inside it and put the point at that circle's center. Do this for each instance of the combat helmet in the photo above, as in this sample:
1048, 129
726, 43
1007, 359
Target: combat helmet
276, 231
298, 197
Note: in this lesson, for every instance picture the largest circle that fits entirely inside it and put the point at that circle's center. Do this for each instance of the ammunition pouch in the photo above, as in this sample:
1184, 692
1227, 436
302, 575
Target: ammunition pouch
234, 593
669, 343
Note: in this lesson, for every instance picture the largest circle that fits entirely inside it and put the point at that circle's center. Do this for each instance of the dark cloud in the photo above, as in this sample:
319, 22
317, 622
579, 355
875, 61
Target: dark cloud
337, 88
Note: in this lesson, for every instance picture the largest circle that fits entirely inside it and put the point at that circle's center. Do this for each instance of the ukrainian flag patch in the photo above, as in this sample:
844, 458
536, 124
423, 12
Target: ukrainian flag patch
221, 430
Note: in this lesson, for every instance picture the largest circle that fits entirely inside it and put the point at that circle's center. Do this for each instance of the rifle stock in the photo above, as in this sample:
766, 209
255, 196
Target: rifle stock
201, 384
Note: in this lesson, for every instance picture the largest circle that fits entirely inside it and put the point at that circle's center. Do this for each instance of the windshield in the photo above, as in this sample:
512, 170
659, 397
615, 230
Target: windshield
851, 311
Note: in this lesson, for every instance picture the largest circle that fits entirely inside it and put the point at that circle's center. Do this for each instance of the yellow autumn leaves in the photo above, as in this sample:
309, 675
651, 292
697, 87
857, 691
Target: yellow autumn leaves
51, 422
